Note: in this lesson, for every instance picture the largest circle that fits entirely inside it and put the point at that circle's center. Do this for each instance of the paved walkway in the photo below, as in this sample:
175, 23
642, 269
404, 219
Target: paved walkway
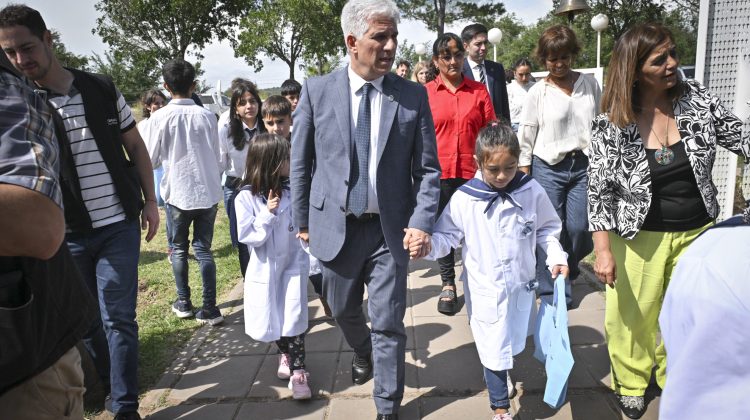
223, 374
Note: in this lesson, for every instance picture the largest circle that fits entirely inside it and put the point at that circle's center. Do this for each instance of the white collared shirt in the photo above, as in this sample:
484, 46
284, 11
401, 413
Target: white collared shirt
475, 71
233, 160
185, 140
376, 102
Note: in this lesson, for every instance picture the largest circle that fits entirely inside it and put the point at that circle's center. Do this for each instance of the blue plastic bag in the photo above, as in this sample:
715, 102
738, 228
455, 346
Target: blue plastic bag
552, 345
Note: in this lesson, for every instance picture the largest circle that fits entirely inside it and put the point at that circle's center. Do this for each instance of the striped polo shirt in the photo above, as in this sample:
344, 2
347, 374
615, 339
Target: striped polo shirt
97, 189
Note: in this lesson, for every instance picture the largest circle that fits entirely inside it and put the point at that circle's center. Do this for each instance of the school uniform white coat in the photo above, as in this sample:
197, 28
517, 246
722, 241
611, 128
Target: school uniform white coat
705, 325
276, 276
499, 262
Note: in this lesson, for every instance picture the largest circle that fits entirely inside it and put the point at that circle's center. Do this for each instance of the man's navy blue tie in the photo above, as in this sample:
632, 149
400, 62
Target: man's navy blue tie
358, 177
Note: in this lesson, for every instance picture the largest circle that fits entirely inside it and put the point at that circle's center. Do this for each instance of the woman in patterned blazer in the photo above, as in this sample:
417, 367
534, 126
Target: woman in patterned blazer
650, 194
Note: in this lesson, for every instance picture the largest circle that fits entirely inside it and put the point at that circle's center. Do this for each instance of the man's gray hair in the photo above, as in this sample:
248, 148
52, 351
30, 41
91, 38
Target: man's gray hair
357, 14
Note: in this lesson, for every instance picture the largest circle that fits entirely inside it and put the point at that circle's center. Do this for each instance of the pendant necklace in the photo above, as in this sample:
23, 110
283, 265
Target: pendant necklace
664, 156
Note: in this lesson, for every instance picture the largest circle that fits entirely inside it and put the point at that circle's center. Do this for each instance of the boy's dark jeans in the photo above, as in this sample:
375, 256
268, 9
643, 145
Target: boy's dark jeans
203, 233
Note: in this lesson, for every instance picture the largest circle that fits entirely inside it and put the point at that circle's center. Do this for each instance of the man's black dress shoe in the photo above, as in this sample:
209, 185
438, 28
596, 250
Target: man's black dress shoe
393, 416
361, 369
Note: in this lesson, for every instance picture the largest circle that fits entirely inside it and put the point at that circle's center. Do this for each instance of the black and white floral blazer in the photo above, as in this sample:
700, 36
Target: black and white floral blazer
619, 190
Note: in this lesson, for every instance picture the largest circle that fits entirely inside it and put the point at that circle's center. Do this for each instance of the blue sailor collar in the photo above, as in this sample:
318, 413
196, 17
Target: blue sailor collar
479, 189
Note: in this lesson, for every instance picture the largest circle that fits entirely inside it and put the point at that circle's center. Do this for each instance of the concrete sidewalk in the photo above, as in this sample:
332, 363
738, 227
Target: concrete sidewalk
223, 374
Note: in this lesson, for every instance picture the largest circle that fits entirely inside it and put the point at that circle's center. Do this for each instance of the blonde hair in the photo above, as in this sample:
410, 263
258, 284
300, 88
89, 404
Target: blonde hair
422, 65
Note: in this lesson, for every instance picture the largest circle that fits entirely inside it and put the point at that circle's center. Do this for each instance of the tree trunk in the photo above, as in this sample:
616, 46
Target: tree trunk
441, 17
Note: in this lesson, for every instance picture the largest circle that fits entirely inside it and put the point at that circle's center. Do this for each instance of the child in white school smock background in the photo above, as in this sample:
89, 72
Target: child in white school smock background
500, 216
276, 277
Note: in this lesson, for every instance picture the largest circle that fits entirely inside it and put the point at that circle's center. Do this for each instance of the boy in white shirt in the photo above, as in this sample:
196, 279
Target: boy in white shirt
185, 140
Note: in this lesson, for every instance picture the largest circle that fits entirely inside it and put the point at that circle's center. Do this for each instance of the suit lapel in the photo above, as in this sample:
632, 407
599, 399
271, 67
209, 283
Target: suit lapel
387, 111
343, 113
467, 70
490, 75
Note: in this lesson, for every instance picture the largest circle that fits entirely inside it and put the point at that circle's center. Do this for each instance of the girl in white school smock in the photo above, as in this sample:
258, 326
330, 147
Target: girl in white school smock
501, 216
276, 276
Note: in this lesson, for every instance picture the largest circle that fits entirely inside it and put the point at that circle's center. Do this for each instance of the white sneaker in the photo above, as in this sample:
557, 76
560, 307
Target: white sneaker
504, 416
285, 364
298, 385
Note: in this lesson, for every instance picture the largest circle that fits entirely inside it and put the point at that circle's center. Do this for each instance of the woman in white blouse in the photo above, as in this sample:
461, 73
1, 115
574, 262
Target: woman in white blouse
234, 136
555, 132
517, 90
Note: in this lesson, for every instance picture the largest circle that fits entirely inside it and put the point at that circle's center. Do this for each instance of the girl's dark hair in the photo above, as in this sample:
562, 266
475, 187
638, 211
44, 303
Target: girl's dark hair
266, 154
236, 130
148, 98
494, 135
522, 62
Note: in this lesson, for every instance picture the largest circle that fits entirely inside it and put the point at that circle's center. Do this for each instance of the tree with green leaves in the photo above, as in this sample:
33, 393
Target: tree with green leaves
321, 64
622, 14
290, 30
166, 28
67, 58
438, 13
406, 52
133, 74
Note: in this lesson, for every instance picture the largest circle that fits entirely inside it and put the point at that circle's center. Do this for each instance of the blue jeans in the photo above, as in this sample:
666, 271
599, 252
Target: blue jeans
203, 234
565, 183
168, 224
497, 387
244, 253
107, 258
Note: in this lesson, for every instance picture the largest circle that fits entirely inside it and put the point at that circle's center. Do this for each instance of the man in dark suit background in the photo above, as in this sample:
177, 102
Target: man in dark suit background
490, 73
365, 182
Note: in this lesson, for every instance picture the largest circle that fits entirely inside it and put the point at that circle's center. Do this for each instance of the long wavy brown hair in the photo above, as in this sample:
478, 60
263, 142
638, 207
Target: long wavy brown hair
620, 97
266, 154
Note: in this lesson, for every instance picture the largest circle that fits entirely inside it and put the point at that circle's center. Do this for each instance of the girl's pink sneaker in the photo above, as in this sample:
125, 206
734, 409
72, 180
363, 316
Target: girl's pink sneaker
285, 364
298, 385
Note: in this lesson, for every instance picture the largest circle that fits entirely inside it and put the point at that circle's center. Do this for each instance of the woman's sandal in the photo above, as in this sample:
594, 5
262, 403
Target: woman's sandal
447, 301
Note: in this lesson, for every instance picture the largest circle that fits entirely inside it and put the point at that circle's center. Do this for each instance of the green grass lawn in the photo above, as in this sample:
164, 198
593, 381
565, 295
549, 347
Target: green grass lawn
161, 333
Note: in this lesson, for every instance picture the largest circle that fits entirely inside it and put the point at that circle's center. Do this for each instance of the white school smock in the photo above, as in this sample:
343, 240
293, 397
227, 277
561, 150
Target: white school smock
705, 325
276, 276
499, 261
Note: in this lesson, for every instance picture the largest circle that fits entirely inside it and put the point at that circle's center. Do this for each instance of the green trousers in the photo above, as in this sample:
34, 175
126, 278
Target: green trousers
644, 266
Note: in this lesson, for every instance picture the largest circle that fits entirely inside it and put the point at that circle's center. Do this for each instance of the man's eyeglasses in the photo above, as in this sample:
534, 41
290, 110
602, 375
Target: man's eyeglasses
447, 58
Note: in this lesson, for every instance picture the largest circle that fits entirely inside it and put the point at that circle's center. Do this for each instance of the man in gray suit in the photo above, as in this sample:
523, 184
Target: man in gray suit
365, 182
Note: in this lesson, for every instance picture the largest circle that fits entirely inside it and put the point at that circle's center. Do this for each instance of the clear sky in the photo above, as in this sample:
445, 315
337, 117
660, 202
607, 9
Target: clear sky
75, 19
